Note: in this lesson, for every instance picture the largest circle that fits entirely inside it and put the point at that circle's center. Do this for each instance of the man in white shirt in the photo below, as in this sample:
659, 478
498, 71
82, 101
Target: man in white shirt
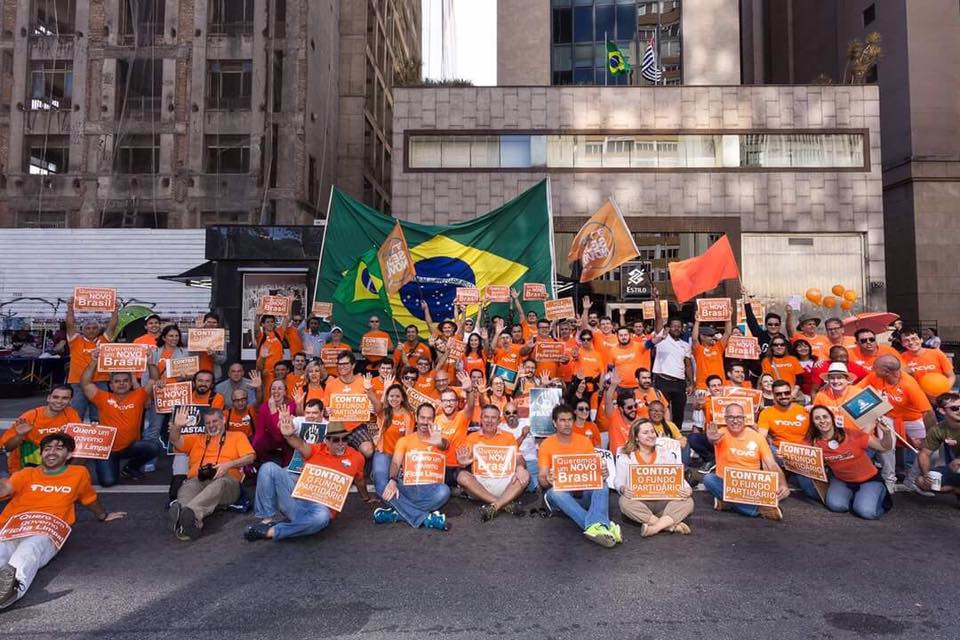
673, 367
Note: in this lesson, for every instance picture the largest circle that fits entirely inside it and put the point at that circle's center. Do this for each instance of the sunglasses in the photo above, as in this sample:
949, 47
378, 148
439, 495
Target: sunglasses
773, 324
778, 344
509, 413
583, 408
409, 377
337, 438
866, 340
782, 393
628, 407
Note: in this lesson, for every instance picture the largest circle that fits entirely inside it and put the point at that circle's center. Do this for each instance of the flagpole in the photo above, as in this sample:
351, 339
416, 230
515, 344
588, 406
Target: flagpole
606, 69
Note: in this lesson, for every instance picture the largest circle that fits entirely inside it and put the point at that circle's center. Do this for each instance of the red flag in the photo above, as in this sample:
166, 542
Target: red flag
705, 272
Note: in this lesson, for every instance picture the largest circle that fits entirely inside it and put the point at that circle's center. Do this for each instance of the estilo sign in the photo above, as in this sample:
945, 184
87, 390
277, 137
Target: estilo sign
635, 281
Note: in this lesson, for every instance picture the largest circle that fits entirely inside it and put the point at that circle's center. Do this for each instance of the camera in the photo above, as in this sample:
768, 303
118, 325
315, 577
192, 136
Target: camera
206, 472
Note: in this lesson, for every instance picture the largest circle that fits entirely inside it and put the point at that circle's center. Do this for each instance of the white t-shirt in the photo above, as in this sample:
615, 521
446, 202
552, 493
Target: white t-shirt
670, 357
528, 448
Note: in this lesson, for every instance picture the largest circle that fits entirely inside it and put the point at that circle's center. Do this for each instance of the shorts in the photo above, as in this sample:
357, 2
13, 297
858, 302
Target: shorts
495, 486
450, 476
358, 436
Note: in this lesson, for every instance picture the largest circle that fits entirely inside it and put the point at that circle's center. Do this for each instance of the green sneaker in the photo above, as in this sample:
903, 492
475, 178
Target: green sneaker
599, 534
615, 532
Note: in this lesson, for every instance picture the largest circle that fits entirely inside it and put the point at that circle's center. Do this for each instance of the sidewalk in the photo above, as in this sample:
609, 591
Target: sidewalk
12, 408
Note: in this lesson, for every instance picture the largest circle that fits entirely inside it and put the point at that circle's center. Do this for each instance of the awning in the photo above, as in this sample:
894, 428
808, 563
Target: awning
198, 276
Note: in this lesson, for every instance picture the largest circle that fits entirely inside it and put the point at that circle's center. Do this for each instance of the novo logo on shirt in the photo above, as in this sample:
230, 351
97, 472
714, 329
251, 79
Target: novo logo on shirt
46, 488
120, 407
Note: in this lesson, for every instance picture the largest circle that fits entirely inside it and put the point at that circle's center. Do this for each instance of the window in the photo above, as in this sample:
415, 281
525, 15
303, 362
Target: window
583, 24
134, 219
229, 84
138, 154
51, 85
47, 155
145, 80
141, 21
41, 219
562, 26
227, 154
869, 15
53, 18
231, 17
208, 218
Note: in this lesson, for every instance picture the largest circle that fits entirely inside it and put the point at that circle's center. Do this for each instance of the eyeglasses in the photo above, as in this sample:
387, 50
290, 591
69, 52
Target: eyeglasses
782, 393
337, 438
866, 340
734, 418
778, 344
628, 407
343, 364
773, 324
409, 377
952, 407
583, 409
509, 413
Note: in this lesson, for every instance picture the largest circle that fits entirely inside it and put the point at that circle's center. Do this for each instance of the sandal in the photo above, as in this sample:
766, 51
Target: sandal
681, 528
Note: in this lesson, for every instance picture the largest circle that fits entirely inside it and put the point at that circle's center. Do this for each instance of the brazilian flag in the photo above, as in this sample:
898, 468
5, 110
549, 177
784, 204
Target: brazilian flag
616, 61
508, 246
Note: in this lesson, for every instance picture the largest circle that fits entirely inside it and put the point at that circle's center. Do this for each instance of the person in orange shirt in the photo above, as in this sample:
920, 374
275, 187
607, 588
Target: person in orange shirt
532, 350
868, 349
781, 365
122, 407
453, 422
22, 439
395, 419
647, 393
603, 339
53, 488
497, 472
807, 330
620, 407
627, 356
349, 383
737, 376
582, 424
81, 344
737, 447
698, 438
507, 352
410, 350
372, 362
213, 479
920, 361
787, 421
591, 363
297, 373
473, 358
568, 365
270, 343
241, 416
837, 389
835, 331
336, 345
708, 352
151, 325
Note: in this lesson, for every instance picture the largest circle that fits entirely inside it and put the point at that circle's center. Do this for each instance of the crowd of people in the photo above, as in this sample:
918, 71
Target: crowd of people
439, 423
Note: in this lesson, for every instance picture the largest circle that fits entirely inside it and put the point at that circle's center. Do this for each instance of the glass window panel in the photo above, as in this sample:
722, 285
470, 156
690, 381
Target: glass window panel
562, 58
644, 152
562, 26
485, 152
583, 55
455, 152
560, 151
424, 152
583, 24
588, 151
605, 23
538, 151
626, 22
583, 76
600, 55
515, 151
700, 150
617, 152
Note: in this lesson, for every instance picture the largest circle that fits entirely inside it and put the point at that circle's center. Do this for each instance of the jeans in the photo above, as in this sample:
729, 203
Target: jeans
714, 484
274, 486
415, 503
534, 481
85, 409
699, 443
675, 391
586, 508
137, 455
27, 555
381, 471
865, 499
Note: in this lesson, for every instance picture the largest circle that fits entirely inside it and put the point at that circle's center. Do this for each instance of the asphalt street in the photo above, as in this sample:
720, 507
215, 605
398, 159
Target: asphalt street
814, 575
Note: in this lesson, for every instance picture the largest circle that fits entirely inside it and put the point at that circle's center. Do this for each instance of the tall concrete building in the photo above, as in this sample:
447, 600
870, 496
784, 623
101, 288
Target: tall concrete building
918, 76
186, 113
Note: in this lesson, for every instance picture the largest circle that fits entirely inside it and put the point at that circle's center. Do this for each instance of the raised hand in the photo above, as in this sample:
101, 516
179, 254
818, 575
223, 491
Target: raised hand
586, 302
22, 427
299, 395
463, 455
465, 381
256, 380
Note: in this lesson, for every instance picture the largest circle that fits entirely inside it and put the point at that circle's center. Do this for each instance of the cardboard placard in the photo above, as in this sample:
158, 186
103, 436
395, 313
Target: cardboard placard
746, 486
548, 351
323, 486
312, 433
182, 367
577, 472
742, 348
417, 398
206, 339
542, 402
803, 460
36, 523
274, 306
455, 349
742, 392
122, 358
648, 309
496, 293
758, 311
719, 403
349, 407
493, 462
329, 355
467, 295
559, 309
322, 310
534, 291
656, 481
168, 396
866, 407
713, 309
423, 467
94, 299
374, 347
194, 424
509, 376
94, 441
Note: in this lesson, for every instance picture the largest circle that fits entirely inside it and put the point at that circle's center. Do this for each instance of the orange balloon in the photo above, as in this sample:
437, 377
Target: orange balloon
838, 289
814, 295
850, 295
846, 305
829, 302
933, 384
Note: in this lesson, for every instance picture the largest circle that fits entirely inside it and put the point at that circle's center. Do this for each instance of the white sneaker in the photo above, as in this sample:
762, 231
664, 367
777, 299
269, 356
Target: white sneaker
910, 485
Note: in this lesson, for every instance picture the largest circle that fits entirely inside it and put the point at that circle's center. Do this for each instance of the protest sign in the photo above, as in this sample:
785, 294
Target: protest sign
115, 357
194, 425
534, 291
274, 306
559, 309
509, 376
669, 451
742, 348
376, 347
866, 407
322, 309
550, 351
577, 472
323, 486
742, 392
607, 460
455, 349
803, 460
311, 433
396, 263
170, 395
417, 398
94, 299
206, 339
719, 403
656, 481
467, 295
182, 367
329, 355
648, 309
713, 309
349, 407
746, 486
423, 467
542, 402
496, 293
36, 523
94, 441
758, 311
493, 462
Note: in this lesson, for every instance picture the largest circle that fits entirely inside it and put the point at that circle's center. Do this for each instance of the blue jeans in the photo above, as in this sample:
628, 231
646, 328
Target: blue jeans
84, 408
136, 455
381, 471
586, 508
699, 443
274, 486
714, 484
866, 499
532, 468
415, 503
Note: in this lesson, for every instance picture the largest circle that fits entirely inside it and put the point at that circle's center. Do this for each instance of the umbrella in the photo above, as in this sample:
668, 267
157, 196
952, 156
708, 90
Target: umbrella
131, 314
876, 321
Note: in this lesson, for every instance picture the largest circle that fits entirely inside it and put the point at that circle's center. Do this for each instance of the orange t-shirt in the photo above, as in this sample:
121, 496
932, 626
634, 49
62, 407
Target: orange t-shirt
644, 397
591, 364
849, 461
475, 362
72, 485
211, 399
568, 369
274, 345
551, 368
927, 361
709, 361
552, 446
294, 381
499, 439
835, 403
785, 425
426, 385
245, 422
509, 357
819, 345
866, 361
740, 452
350, 463
415, 354
603, 342
203, 449
454, 429
293, 340
627, 359
907, 398
29, 450
401, 424
81, 353
413, 442
336, 385
125, 414
619, 431
588, 430
785, 368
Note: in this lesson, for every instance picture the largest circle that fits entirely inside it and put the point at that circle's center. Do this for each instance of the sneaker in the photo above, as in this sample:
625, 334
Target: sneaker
131, 473
719, 505
241, 505
173, 513
708, 467
9, 585
188, 524
256, 532
910, 485
771, 513
599, 534
488, 512
149, 467
438, 521
615, 532
547, 504
385, 515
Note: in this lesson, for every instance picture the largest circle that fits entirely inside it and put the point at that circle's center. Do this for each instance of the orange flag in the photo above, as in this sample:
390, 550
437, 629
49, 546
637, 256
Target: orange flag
396, 263
604, 243
703, 273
